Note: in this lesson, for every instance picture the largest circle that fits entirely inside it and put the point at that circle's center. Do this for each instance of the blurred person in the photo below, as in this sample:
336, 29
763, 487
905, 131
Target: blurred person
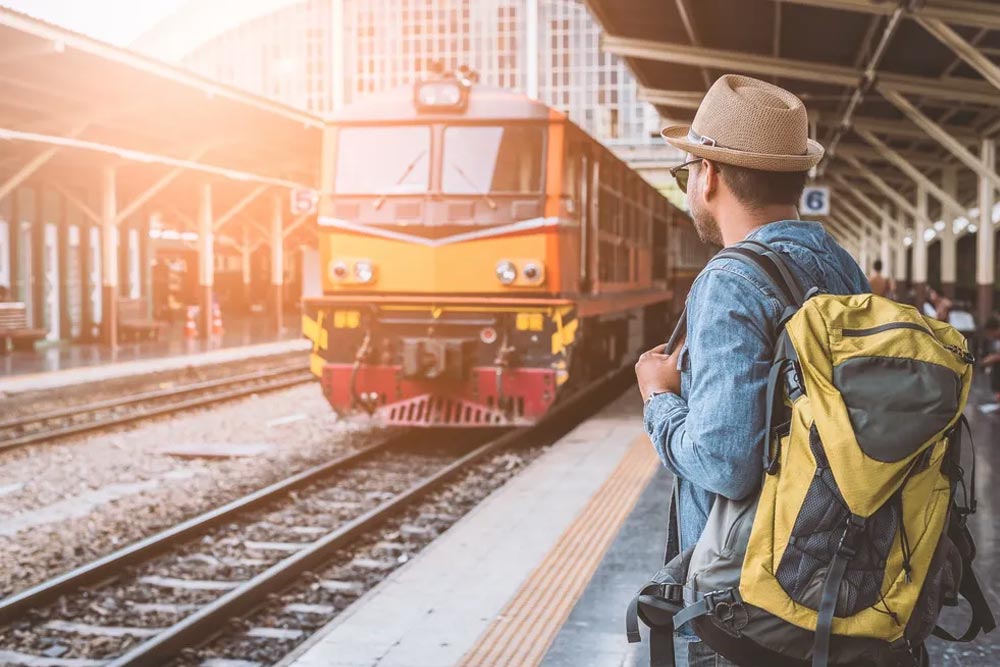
937, 305
748, 156
881, 285
991, 362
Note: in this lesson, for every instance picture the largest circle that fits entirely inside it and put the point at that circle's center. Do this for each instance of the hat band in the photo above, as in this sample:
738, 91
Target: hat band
694, 137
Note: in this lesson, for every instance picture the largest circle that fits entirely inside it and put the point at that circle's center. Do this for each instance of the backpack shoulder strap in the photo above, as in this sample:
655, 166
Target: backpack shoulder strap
770, 264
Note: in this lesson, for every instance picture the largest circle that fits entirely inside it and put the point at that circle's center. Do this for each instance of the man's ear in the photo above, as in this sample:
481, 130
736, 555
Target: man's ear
710, 180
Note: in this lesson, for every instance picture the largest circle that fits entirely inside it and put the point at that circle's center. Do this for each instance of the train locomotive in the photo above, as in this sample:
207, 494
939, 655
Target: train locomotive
481, 257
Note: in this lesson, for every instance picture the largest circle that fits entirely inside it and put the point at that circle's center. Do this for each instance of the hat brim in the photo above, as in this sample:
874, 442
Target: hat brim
677, 136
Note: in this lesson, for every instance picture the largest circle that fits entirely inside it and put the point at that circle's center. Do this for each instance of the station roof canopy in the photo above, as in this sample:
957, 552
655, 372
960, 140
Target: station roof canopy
883, 79
70, 102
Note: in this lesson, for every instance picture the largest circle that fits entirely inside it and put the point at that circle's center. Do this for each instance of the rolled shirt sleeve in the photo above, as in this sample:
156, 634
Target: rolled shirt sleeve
713, 437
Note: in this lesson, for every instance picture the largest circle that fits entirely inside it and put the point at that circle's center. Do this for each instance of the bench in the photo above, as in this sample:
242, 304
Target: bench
14, 329
134, 322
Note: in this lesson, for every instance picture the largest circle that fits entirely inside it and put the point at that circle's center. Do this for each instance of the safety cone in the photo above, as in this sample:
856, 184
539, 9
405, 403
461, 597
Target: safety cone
190, 325
217, 329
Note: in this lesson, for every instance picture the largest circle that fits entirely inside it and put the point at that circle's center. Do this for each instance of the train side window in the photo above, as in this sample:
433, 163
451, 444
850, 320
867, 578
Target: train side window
571, 178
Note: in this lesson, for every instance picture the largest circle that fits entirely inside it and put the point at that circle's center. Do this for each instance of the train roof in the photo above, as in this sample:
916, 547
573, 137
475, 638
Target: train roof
485, 103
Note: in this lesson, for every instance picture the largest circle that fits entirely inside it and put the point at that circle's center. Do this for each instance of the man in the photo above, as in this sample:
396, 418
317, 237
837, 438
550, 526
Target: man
748, 154
991, 334
937, 306
881, 285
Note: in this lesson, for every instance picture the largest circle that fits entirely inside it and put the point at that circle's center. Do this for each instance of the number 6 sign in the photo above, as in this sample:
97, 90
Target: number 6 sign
815, 201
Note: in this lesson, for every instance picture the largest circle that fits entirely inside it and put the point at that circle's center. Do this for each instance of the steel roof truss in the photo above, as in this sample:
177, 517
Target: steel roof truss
954, 89
938, 133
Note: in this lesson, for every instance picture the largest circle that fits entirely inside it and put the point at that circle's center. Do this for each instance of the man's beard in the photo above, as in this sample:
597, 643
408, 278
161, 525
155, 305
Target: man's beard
707, 227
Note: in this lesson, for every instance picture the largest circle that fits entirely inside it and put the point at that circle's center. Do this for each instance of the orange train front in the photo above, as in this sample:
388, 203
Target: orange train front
482, 257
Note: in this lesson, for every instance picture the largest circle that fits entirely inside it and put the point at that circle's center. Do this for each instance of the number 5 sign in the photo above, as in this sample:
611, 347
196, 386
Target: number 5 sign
815, 201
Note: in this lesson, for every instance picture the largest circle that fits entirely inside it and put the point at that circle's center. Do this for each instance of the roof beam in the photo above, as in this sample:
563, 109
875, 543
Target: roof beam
963, 49
860, 217
954, 89
238, 207
691, 99
80, 205
296, 223
959, 12
36, 163
684, 10
153, 189
846, 229
862, 152
888, 191
907, 168
143, 157
939, 134
846, 187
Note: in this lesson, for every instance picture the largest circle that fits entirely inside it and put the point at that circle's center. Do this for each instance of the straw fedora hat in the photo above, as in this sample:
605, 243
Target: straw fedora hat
749, 123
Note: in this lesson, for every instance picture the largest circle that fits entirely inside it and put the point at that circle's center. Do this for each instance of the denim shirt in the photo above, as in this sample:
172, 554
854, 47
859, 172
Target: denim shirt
711, 435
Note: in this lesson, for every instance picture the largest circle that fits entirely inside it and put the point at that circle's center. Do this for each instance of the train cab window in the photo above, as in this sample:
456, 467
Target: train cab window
479, 159
383, 160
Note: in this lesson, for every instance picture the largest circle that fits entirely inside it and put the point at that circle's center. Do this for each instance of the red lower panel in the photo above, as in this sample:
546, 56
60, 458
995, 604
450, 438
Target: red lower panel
527, 394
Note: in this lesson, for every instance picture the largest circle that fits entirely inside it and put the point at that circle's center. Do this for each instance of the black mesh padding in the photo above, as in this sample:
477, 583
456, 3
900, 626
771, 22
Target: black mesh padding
816, 534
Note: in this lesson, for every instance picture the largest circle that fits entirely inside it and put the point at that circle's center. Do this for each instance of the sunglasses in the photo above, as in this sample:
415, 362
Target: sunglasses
682, 173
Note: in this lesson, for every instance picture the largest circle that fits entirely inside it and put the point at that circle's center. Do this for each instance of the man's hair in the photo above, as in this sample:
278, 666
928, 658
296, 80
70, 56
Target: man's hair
877, 265
758, 189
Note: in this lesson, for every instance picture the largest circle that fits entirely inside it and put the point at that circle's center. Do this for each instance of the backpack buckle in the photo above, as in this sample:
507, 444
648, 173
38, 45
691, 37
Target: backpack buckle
846, 547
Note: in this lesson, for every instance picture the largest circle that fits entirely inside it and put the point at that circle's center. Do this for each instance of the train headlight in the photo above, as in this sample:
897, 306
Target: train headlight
441, 95
364, 271
506, 272
533, 272
339, 270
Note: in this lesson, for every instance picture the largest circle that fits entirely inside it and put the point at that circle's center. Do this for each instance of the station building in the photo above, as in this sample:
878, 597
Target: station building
320, 54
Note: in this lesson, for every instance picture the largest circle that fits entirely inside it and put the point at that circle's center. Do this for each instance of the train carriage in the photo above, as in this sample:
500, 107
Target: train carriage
482, 256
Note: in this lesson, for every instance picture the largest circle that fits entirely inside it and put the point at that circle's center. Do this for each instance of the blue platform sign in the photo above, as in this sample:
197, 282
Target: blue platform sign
815, 200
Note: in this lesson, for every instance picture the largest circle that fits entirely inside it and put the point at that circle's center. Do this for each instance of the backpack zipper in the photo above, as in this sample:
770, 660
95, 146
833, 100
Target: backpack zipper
964, 355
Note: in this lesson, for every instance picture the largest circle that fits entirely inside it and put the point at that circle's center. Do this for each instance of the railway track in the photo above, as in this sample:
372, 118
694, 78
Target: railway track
77, 419
154, 600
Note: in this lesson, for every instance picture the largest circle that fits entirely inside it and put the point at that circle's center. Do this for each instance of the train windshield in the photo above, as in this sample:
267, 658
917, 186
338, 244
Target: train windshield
483, 159
383, 160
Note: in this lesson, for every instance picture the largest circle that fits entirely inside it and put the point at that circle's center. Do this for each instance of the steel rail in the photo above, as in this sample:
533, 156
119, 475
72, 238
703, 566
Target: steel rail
75, 429
111, 565
211, 619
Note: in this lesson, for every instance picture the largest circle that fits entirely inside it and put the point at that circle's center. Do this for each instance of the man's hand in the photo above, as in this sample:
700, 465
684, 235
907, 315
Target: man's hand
656, 371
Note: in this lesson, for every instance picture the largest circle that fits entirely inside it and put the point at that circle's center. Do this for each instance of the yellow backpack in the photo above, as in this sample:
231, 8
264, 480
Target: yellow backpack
855, 540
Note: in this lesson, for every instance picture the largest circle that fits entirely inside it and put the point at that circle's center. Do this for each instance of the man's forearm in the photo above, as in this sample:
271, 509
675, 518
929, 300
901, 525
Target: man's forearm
663, 417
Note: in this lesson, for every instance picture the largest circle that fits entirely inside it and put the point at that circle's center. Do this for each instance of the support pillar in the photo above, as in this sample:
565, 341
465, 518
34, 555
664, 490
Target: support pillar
949, 247
920, 245
65, 270
206, 258
277, 263
109, 258
864, 260
899, 248
885, 242
985, 258
146, 265
245, 268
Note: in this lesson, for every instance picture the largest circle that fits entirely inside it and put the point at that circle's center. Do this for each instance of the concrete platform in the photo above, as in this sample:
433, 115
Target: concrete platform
238, 332
104, 369
544, 531
540, 572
